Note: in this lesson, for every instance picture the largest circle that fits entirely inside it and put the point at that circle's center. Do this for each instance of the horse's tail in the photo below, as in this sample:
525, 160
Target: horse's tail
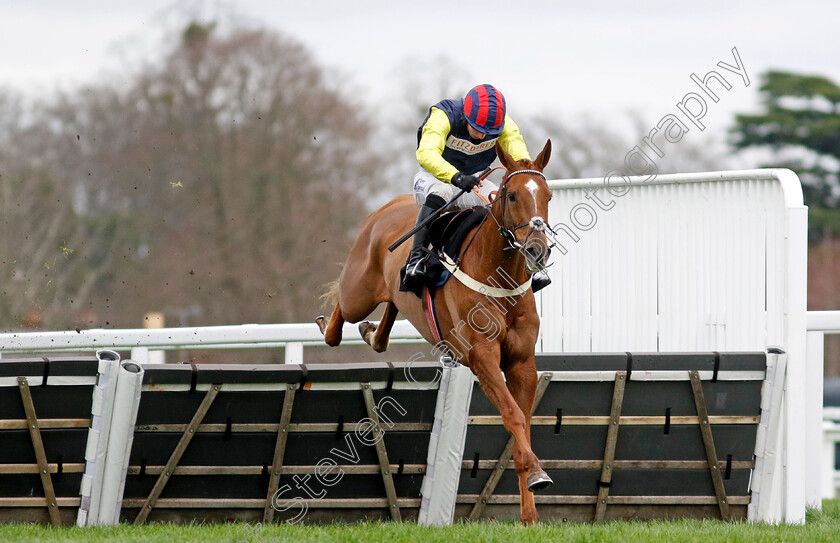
329, 296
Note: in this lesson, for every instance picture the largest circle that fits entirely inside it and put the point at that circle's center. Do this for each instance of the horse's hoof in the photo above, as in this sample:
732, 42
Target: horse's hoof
322, 322
530, 520
538, 481
366, 328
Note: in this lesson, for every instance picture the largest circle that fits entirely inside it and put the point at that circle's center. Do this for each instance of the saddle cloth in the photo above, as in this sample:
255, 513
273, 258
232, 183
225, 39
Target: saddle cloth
447, 234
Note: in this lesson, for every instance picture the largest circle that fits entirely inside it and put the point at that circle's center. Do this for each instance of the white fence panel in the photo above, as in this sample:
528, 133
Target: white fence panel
672, 265
690, 262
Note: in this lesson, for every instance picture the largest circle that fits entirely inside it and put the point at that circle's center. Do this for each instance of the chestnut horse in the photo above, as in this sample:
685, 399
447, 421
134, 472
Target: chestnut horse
517, 220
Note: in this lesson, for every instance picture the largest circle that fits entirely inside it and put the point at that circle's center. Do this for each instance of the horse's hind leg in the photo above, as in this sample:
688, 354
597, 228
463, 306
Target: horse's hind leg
377, 336
331, 327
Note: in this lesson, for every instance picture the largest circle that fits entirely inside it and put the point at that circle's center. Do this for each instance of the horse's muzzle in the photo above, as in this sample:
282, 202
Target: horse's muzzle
536, 256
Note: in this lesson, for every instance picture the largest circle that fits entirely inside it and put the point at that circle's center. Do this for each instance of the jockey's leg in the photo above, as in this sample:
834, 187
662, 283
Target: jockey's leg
415, 269
431, 194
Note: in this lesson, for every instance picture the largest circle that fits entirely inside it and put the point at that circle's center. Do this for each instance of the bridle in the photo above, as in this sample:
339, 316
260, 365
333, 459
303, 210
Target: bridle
536, 224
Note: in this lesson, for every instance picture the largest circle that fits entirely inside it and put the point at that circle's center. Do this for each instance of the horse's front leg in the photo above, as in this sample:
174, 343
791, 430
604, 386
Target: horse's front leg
485, 363
521, 381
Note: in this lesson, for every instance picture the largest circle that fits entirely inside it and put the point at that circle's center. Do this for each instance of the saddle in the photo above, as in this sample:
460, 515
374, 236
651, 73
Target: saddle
447, 233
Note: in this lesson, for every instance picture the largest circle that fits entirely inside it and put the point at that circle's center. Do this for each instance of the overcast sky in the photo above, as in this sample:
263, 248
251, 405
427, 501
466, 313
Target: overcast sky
551, 57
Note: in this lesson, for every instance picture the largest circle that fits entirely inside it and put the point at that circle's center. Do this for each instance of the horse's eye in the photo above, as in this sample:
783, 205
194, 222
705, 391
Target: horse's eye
512, 197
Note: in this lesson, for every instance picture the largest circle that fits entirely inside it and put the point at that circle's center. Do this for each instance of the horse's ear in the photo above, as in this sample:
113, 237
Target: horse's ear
506, 160
542, 158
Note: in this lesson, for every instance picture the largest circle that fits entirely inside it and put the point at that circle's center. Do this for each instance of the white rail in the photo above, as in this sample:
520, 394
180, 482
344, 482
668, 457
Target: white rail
821, 323
831, 437
145, 342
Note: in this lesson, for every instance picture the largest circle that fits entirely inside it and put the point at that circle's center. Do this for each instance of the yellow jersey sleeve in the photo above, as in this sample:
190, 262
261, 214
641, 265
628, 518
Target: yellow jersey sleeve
512, 141
432, 141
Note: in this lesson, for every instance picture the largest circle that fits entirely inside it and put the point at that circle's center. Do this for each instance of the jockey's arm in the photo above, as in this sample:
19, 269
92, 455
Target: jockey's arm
430, 149
433, 139
512, 141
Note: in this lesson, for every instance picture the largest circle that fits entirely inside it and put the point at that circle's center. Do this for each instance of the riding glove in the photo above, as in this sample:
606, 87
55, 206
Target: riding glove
465, 182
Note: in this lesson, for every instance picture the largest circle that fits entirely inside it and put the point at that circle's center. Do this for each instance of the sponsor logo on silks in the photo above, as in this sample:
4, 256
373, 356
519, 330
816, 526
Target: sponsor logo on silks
468, 148
420, 184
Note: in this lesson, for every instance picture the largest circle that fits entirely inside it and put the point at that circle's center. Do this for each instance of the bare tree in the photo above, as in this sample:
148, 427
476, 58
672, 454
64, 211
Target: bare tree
588, 146
256, 176
53, 258
579, 149
419, 84
222, 185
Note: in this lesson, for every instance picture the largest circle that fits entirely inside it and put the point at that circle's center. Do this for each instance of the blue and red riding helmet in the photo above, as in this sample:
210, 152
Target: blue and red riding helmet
484, 108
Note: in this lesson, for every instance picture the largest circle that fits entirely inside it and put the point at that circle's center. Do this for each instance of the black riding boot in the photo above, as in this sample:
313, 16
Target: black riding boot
539, 281
415, 268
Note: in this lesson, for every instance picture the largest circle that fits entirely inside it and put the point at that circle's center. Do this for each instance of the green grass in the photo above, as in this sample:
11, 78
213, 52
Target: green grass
821, 526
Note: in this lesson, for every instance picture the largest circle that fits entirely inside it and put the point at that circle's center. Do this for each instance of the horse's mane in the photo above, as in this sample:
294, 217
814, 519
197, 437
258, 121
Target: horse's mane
526, 164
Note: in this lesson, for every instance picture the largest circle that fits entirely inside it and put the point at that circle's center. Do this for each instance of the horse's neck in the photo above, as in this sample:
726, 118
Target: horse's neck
489, 262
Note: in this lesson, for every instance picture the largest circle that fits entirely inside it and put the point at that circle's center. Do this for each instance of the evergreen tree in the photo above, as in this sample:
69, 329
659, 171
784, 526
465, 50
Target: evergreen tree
800, 127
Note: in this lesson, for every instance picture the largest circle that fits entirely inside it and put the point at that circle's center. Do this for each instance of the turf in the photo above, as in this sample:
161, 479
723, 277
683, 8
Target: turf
821, 526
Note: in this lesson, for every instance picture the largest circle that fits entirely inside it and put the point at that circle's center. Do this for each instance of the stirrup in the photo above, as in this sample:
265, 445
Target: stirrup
539, 281
415, 274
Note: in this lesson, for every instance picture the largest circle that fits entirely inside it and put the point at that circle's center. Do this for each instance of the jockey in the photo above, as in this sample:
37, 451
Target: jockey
455, 143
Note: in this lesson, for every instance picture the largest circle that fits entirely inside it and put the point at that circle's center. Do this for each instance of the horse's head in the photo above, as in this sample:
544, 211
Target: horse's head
521, 207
